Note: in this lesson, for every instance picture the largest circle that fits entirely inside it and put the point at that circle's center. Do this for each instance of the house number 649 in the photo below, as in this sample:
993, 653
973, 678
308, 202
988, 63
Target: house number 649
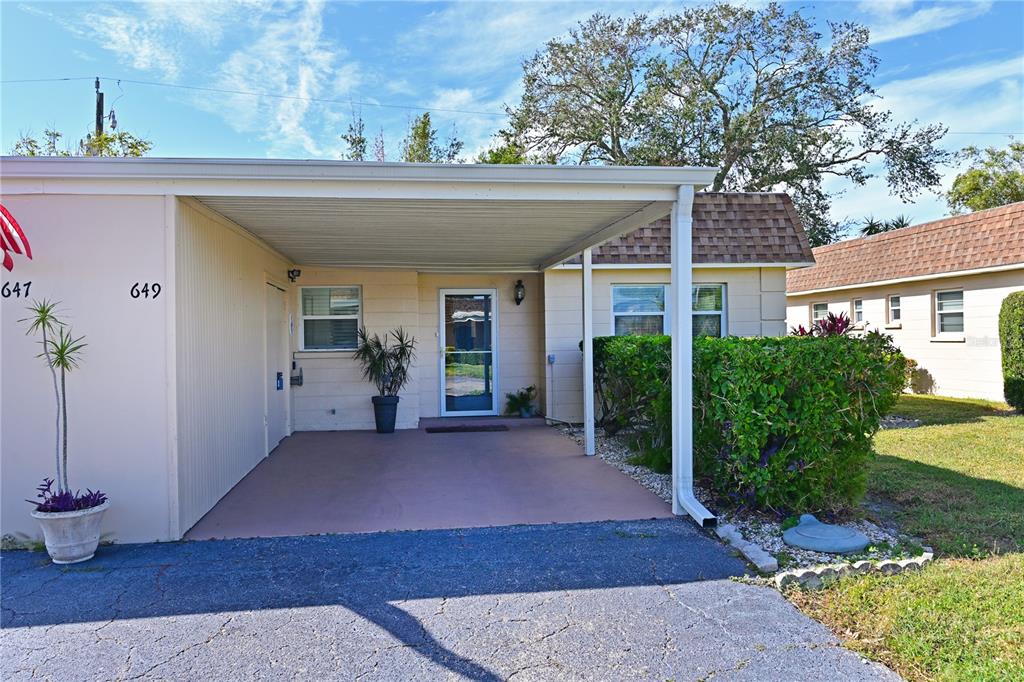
145, 290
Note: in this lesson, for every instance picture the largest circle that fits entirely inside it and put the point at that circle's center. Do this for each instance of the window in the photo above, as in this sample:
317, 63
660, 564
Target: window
330, 317
949, 312
819, 311
858, 310
894, 310
709, 309
638, 309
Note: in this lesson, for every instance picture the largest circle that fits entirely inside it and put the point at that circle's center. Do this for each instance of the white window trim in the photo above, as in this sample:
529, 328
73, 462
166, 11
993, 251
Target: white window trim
666, 322
810, 311
853, 312
664, 313
358, 317
938, 335
723, 313
890, 323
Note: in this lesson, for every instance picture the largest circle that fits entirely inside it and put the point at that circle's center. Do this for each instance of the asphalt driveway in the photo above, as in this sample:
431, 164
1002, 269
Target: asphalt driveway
612, 600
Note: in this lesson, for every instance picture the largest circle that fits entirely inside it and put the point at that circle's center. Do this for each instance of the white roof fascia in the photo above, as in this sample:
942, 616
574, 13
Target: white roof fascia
666, 266
343, 179
917, 278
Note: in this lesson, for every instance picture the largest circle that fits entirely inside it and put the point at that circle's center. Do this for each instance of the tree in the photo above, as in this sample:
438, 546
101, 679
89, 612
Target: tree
420, 144
355, 138
874, 226
758, 93
510, 151
995, 178
379, 153
120, 143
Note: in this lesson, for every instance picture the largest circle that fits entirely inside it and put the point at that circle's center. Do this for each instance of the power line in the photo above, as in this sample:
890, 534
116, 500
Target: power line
325, 100
248, 93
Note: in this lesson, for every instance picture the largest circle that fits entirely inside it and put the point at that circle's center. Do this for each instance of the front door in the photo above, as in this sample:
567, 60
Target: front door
276, 372
468, 333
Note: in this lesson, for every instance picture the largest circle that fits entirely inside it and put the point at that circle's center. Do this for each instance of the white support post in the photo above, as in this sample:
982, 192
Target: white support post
588, 353
681, 316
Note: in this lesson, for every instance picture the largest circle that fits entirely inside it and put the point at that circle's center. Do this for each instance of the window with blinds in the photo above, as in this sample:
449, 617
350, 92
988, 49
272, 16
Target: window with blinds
331, 317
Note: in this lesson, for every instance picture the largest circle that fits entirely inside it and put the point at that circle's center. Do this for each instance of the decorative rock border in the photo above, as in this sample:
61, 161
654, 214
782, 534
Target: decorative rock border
815, 578
764, 561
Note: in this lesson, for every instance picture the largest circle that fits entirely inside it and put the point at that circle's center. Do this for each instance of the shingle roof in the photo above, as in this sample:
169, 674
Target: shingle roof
983, 239
728, 228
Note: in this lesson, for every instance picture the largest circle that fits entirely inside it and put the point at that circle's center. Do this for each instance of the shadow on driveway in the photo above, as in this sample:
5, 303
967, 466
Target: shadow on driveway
366, 574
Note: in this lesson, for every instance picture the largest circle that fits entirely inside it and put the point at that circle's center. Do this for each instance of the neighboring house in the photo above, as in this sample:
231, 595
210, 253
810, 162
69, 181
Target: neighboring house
936, 288
743, 244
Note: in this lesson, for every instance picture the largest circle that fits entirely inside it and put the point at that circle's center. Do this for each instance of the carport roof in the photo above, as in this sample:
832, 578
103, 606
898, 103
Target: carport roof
424, 216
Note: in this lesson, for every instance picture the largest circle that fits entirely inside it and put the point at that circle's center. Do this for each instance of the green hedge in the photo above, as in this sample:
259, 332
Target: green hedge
1011, 338
780, 423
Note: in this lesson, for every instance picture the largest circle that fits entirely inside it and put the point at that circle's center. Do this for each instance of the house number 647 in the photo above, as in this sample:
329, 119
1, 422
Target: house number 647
145, 290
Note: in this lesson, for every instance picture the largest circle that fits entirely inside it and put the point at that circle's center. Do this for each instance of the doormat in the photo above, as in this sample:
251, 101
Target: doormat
466, 428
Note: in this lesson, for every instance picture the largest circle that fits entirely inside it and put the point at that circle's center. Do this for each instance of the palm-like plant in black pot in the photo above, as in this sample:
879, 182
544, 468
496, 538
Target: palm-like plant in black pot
386, 365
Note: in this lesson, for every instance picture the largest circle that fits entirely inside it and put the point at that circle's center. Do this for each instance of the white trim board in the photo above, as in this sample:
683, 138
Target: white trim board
667, 266
916, 278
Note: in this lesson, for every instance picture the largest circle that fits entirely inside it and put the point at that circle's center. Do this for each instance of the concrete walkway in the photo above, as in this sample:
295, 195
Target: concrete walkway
612, 601
362, 481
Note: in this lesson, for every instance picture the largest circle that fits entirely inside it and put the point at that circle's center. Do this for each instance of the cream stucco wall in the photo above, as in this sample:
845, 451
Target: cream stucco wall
970, 366
755, 306
88, 252
221, 365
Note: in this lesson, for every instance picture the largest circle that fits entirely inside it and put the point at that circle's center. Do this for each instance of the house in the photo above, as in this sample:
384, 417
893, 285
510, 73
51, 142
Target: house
936, 288
221, 300
743, 245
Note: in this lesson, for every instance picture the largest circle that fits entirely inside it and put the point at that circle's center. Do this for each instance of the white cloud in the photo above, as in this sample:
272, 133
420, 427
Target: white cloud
290, 56
974, 101
891, 21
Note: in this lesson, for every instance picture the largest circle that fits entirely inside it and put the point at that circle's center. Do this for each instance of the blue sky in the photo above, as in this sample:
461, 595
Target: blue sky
959, 63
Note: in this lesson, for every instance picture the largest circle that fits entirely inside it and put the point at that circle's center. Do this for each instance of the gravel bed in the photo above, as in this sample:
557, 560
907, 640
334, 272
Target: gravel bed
886, 543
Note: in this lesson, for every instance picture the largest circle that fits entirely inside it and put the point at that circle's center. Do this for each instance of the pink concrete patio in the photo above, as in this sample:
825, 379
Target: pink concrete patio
360, 481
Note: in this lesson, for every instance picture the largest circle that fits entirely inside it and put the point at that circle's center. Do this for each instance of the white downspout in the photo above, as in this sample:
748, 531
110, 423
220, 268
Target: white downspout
683, 499
588, 353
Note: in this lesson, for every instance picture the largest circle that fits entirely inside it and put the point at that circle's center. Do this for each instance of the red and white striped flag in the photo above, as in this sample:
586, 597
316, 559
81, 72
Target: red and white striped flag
12, 238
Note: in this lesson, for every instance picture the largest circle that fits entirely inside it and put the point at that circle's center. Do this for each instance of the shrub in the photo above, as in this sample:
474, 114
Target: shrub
1011, 339
780, 423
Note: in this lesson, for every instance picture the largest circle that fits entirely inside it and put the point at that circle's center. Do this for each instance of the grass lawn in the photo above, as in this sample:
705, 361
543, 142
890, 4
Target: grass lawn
958, 483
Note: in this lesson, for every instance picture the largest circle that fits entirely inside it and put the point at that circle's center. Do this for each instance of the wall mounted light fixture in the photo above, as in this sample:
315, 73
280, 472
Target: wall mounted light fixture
520, 292
293, 274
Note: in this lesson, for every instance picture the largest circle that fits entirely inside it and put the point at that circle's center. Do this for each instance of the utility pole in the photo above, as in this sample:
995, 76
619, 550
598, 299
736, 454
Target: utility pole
99, 109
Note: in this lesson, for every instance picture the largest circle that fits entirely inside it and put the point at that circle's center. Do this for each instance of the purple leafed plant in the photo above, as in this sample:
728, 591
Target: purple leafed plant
65, 500
832, 325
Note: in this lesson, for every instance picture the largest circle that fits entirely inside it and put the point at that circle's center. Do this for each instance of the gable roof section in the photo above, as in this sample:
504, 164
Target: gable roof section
984, 239
731, 228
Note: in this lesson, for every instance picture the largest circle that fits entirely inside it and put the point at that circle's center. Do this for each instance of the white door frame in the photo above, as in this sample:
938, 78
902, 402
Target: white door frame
493, 293
284, 341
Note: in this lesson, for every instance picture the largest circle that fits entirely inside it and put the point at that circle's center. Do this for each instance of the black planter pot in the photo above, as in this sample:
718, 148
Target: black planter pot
385, 408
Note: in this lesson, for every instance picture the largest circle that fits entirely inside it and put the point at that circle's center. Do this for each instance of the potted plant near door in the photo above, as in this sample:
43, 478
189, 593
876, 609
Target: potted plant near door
70, 520
386, 365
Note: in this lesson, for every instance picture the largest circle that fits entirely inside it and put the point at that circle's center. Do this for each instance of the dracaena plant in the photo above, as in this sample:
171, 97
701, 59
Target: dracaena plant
386, 364
62, 352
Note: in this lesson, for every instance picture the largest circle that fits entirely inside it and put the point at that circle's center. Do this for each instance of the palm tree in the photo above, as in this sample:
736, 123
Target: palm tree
872, 226
899, 222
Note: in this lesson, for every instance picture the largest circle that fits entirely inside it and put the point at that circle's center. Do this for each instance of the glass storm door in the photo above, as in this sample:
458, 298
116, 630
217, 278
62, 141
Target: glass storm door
468, 326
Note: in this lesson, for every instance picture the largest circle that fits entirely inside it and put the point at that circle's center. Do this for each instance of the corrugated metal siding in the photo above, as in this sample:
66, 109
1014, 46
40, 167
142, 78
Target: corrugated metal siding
220, 357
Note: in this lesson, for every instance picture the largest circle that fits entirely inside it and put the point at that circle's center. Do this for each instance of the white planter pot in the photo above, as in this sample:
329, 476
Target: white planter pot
72, 536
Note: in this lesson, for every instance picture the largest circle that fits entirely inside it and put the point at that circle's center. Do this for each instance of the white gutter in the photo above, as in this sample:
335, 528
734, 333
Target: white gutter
667, 266
902, 280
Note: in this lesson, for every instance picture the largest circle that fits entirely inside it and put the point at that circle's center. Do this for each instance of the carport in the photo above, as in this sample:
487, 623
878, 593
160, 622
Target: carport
356, 481
216, 232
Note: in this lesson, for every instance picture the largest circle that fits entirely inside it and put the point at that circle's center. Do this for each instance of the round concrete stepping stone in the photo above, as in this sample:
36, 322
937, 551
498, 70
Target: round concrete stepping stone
812, 534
